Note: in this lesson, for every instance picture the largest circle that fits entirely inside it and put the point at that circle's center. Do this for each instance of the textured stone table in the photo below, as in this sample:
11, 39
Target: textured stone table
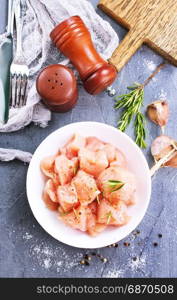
26, 250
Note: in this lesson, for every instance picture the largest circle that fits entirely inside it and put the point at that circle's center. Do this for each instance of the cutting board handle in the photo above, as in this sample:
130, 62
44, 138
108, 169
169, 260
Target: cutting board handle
129, 45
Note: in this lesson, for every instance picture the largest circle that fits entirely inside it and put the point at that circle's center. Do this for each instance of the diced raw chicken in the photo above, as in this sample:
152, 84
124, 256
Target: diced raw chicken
67, 197
94, 144
65, 168
125, 193
110, 151
86, 187
89, 184
49, 203
55, 179
47, 166
93, 228
72, 148
119, 160
50, 189
93, 207
77, 218
109, 215
94, 231
62, 151
93, 162
91, 220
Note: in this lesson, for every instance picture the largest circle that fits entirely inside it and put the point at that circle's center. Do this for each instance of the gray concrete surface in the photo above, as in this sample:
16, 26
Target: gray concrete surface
26, 250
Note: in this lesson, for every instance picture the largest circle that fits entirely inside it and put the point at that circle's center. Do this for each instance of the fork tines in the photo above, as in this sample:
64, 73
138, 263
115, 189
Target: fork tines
19, 70
19, 81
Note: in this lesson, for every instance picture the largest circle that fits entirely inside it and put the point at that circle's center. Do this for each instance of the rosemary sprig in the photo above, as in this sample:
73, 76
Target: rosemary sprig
75, 169
97, 199
131, 104
76, 214
108, 215
140, 130
62, 214
115, 185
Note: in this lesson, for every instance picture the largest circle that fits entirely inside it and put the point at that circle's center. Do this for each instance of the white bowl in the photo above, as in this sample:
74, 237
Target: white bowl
49, 220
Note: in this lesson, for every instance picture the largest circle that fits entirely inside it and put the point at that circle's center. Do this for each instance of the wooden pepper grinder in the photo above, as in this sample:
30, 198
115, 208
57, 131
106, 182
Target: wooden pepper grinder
73, 39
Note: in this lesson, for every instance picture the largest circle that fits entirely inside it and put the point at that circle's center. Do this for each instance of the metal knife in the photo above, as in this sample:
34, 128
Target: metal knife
6, 53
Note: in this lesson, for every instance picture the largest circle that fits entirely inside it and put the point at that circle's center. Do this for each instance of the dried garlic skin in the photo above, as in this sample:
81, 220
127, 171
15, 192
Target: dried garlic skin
172, 162
158, 112
161, 146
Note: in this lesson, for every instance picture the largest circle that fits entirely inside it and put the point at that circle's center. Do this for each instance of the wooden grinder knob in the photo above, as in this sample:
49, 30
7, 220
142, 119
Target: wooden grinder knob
73, 39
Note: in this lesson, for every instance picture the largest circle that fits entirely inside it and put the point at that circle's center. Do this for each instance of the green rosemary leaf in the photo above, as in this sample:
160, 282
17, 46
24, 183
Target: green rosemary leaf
118, 188
131, 87
140, 132
134, 86
125, 120
108, 215
120, 96
113, 182
115, 185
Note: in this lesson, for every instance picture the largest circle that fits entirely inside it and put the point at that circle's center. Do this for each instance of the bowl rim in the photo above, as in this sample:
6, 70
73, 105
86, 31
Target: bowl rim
148, 179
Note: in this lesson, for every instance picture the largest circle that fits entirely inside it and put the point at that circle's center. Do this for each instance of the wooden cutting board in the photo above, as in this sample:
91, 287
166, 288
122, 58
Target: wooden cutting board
153, 22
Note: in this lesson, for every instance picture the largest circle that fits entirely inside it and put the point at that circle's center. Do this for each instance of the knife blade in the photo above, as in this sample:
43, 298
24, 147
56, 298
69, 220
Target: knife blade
6, 53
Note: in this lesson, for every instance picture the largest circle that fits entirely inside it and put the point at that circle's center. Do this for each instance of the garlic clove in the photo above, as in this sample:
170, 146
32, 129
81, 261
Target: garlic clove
164, 148
161, 146
158, 112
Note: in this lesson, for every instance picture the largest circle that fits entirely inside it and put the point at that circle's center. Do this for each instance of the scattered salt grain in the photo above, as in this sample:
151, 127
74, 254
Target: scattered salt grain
114, 274
59, 263
154, 79
54, 258
137, 264
27, 236
47, 251
150, 64
162, 94
36, 249
47, 263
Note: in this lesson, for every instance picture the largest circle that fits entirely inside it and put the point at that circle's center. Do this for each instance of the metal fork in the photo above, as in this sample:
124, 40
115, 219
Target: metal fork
19, 70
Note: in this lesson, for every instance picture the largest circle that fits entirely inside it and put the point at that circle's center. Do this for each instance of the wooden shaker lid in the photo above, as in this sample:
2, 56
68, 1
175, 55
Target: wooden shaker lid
57, 86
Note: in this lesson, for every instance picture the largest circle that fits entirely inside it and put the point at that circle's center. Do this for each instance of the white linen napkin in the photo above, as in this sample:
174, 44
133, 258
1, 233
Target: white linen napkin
41, 17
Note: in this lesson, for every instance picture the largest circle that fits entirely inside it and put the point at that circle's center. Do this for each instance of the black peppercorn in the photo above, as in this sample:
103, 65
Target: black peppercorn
126, 244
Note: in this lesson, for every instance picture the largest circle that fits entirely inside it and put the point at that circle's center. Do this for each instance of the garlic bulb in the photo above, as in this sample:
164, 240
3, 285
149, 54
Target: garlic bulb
158, 112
